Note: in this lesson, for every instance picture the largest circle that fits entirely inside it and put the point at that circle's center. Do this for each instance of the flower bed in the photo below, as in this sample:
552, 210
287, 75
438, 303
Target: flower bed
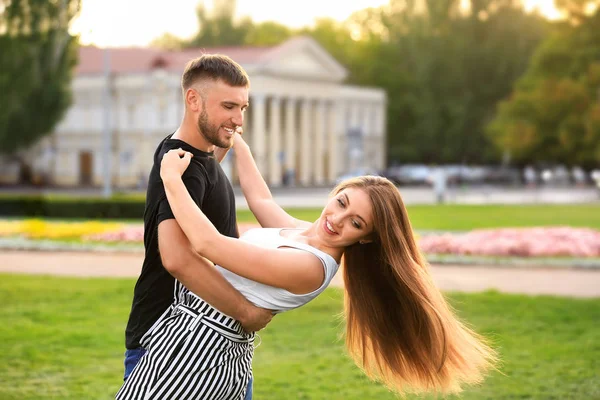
39, 229
522, 242
135, 233
514, 242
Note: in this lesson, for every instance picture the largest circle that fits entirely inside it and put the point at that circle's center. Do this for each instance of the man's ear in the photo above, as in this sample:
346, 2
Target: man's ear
193, 101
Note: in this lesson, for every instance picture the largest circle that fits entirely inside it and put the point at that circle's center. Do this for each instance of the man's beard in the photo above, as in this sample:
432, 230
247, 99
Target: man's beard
211, 132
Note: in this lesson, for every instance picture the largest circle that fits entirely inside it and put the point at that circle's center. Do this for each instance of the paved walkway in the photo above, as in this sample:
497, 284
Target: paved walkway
552, 281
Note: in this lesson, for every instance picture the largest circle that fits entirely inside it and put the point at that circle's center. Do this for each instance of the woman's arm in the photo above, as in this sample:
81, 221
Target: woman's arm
220, 154
201, 277
294, 270
258, 196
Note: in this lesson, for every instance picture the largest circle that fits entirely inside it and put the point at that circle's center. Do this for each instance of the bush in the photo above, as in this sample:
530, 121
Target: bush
68, 207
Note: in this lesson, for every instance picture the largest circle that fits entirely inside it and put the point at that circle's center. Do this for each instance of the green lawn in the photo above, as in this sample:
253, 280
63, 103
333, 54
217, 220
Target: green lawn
467, 217
62, 338
459, 217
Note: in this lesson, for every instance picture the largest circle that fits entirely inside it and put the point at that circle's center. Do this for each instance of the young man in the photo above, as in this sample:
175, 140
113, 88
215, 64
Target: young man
215, 93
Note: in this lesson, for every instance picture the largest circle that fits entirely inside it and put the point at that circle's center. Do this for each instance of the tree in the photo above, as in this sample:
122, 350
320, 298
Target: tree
267, 33
448, 67
577, 11
168, 41
219, 27
553, 116
38, 56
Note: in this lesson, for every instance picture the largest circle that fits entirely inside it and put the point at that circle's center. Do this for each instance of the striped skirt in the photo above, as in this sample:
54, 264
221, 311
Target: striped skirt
193, 352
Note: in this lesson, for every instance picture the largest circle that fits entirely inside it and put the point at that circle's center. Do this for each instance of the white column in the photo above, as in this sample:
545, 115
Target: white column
379, 131
290, 140
357, 152
258, 131
145, 161
370, 145
342, 117
248, 123
334, 132
148, 122
53, 156
305, 137
379, 139
354, 114
151, 113
319, 139
275, 143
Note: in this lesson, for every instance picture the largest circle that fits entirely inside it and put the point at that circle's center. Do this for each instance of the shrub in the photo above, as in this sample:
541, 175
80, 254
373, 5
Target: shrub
118, 207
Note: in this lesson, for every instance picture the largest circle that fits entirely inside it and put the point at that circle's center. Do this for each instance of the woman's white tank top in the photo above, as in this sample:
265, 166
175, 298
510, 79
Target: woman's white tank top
270, 297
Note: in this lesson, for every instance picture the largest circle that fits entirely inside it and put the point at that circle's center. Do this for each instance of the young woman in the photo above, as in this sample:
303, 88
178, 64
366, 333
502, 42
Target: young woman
399, 328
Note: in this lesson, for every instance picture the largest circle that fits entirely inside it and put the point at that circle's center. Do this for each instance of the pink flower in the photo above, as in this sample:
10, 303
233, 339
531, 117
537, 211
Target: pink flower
522, 242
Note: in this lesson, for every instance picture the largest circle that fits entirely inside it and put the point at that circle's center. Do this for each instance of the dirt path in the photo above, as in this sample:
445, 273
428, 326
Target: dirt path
553, 281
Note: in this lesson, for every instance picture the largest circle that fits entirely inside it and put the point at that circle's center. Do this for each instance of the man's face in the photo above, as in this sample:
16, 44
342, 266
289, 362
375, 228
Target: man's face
222, 113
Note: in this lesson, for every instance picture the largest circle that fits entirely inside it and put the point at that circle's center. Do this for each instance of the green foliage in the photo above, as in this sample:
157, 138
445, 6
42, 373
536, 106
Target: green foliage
267, 33
554, 113
458, 66
65, 207
219, 28
576, 10
167, 41
443, 70
38, 56
63, 339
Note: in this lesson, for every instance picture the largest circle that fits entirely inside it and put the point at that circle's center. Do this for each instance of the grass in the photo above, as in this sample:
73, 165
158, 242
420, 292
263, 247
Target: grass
456, 217
62, 338
467, 217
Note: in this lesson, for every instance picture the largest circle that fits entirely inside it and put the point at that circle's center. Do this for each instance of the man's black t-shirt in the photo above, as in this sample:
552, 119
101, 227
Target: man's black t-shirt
212, 192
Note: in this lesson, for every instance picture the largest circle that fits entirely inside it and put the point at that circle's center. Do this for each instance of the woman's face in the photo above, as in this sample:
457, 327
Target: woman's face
346, 219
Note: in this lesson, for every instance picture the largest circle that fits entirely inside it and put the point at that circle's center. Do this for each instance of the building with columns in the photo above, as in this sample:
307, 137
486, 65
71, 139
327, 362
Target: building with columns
304, 125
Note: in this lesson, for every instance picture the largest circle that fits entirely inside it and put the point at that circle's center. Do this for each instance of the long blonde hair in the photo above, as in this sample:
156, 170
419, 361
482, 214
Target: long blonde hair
399, 328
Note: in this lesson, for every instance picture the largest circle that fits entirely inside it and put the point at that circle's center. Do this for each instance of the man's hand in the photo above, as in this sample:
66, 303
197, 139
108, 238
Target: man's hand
255, 318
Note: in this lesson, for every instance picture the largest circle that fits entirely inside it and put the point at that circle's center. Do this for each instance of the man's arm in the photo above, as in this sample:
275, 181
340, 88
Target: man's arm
201, 277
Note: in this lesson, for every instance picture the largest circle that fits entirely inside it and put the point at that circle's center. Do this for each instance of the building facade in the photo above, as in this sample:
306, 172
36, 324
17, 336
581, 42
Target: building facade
304, 126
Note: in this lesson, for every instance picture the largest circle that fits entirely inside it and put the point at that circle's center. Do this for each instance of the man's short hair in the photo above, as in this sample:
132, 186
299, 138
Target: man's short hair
214, 67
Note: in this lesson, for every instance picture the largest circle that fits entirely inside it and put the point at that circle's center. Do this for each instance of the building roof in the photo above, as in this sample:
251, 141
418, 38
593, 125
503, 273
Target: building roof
282, 59
137, 59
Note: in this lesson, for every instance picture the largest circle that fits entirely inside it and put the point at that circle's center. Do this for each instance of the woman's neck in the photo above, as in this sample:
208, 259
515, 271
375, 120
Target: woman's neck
310, 237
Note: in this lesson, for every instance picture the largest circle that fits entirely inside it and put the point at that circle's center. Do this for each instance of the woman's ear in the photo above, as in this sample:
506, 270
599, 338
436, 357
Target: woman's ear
365, 241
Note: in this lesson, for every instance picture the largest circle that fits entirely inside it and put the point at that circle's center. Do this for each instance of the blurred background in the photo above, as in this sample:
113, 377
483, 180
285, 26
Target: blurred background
429, 93
484, 113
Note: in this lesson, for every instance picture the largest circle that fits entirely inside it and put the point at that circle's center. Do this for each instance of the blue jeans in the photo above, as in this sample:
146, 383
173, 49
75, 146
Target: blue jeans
133, 357
249, 390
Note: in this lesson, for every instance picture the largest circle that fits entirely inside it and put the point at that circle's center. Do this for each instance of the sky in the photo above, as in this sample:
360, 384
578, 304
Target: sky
120, 23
